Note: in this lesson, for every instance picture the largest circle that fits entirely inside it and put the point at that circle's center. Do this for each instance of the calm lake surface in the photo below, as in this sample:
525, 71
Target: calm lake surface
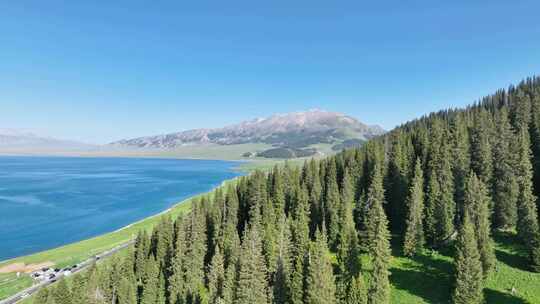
46, 202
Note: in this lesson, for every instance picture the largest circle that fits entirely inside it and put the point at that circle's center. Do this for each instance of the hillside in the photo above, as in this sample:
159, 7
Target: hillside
442, 209
292, 131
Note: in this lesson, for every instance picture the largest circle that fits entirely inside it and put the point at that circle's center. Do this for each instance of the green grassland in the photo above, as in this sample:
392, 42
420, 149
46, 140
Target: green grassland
206, 151
428, 278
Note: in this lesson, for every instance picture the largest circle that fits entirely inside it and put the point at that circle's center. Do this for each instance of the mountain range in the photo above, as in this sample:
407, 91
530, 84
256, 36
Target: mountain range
289, 135
291, 131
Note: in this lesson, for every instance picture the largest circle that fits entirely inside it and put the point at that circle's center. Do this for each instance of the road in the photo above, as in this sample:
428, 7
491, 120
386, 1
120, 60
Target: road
59, 276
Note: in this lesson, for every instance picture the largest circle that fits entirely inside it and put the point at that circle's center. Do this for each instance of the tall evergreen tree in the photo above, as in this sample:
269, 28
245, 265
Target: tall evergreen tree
150, 290
469, 283
379, 245
252, 287
41, 296
61, 293
348, 251
481, 151
321, 287
505, 188
527, 224
414, 231
440, 208
332, 203
461, 165
357, 293
216, 277
477, 204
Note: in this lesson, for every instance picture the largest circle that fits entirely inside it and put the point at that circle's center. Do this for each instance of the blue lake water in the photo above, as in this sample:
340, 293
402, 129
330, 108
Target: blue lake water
46, 202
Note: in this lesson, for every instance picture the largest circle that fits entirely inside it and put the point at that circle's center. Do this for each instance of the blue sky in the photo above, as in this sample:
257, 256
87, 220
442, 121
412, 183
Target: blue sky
103, 70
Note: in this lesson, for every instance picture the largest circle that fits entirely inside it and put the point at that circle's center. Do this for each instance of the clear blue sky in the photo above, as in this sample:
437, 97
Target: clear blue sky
103, 70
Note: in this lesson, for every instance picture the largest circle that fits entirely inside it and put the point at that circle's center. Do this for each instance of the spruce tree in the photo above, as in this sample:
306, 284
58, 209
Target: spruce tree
461, 165
127, 292
61, 293
332, 203
505, 188
481, 151
357, 293
379, 244
252, 287
414, 231
440, 208
527, 225
41, 296
150, 288
216, 277
321, 286
79, 290
176, 288
282, 277
477, 204
196, 247
469, 283
348, 251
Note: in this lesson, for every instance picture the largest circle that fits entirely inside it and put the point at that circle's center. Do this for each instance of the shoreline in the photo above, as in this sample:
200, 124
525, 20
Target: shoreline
74, 253
171, 209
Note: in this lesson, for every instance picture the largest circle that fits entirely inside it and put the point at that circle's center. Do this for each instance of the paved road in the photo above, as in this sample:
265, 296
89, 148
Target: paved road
81, 266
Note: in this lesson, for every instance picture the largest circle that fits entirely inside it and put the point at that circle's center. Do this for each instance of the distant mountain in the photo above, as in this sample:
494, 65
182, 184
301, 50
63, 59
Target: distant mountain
296, 130
20, 141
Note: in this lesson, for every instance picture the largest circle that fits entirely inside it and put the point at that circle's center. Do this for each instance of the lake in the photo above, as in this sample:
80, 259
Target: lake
46, 202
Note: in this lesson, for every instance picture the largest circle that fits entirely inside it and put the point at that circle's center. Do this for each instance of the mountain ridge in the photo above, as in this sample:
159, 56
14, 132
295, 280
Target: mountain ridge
296, 129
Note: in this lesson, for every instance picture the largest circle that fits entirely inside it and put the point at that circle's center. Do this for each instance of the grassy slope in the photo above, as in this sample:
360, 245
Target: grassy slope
428, 277
211, 151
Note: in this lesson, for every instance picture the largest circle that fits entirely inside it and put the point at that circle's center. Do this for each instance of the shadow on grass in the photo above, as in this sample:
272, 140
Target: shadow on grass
512, 260
494, 296
428, 278
512, 253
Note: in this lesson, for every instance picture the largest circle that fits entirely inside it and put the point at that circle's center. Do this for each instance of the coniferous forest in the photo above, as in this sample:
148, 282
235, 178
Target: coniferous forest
326, 232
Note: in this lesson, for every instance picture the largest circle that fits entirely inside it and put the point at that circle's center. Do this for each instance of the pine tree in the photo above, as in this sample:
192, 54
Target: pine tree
61, 293
176, 288
332, 203
196, 248
79, 290
127, 292
505, 189
477, 204
461, 165
357, 293
282, 282
527, 225
321, 286
481, 151
375, 197
414, 231
379, 245
469, 283
41, 296
348, 251
527, 220
151, 282
216, 277
440, 207
252, 287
